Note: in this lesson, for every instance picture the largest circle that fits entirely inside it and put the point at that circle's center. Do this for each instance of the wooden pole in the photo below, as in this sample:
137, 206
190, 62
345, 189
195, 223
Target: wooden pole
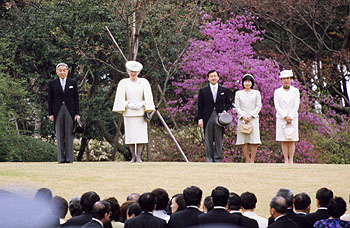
171, 135
116, 44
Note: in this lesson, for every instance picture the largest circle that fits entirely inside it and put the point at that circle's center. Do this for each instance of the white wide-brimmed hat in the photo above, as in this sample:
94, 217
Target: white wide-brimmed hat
286, 74
133, 66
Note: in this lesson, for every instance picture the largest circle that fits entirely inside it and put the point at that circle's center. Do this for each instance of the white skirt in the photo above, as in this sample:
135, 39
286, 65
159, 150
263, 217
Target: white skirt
280, 136
252, 138
135, 130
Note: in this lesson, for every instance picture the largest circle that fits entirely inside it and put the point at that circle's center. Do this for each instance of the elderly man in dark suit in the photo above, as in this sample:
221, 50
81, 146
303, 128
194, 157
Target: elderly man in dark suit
189, 216
213, 100
278, 210
63, 109
146, 219
100, 215
287, 194
219, 214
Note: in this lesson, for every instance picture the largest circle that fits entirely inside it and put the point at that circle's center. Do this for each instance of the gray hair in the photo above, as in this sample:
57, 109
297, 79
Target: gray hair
287, 195
61, 64
279, 204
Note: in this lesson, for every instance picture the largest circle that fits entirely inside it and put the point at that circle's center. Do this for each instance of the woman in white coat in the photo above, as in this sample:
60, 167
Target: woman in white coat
134, 98
287, 100
248, 105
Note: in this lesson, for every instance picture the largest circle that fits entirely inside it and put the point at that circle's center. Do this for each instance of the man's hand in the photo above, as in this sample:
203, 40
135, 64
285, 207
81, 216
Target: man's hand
200, 123
51, 118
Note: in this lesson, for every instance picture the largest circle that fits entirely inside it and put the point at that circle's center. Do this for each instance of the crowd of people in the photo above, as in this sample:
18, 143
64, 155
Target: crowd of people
156, 209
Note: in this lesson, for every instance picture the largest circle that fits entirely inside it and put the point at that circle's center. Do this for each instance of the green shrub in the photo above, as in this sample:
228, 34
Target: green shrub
335, 149
21, 148
189, 138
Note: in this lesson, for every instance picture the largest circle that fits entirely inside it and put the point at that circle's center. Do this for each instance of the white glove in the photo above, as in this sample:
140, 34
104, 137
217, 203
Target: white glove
131, 106
139, 105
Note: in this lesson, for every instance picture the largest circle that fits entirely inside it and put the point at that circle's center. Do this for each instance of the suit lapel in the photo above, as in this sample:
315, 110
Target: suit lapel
209, 93
58, 84
67, 85
220, 90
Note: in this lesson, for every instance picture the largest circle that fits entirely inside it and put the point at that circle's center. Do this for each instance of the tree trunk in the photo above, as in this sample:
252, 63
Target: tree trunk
83, 144
37, 123
116, 142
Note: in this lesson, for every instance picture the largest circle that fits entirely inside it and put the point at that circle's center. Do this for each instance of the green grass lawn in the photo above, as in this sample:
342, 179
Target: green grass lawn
118, 179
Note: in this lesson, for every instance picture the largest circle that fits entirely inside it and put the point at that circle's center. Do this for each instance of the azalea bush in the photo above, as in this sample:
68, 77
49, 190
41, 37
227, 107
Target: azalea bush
228, 47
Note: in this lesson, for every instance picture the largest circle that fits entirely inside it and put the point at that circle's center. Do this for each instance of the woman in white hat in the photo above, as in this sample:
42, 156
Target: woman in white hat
248, 105
287, 100
134, 98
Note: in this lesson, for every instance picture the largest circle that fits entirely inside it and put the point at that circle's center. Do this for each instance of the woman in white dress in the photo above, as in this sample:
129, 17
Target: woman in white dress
134, 98
287, 100
248, 105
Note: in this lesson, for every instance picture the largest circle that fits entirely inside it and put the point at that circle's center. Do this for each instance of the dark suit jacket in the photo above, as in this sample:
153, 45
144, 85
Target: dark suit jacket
79, 220
245, 222
218, 216
145, 220
317, 215
284, 222
185, 218
92, 224
298, 219
206, 103
70, 96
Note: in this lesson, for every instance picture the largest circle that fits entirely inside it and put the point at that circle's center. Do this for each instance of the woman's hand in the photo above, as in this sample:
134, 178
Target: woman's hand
247, 118
288, 119
139, 105
133, 106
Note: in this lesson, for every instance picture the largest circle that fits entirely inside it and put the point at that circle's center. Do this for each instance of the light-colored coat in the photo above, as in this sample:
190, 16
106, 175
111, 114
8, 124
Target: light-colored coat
286, 104
135, 92
248, 104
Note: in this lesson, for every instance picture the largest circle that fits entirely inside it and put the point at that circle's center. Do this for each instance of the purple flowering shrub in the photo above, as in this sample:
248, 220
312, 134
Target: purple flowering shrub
227, 47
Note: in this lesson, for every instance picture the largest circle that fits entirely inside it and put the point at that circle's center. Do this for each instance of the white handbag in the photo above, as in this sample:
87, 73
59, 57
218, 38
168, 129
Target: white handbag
289, 131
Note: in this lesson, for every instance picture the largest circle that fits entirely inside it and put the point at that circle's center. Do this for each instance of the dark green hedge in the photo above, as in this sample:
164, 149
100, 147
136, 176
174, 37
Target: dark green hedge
21, 148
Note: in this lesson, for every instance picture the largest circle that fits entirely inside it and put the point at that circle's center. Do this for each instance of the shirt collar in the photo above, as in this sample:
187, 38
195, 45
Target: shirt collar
279, 217
192, 206
98, 221
219, 207
149, 212
212, 86
235, 211
300, 213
